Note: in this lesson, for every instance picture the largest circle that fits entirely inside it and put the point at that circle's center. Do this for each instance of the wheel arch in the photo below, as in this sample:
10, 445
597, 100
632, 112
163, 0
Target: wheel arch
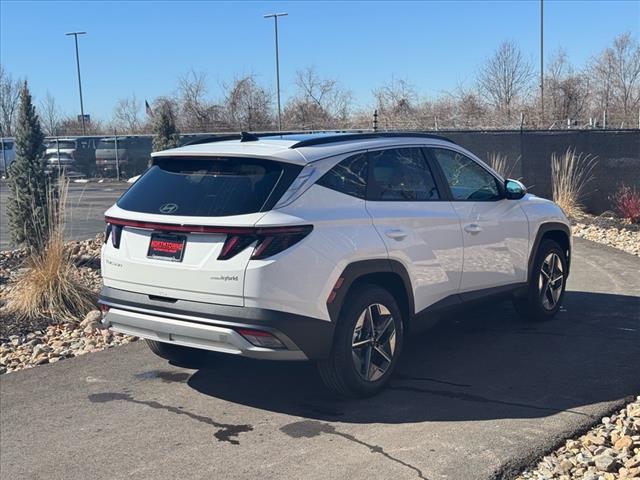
388, 274
556, 231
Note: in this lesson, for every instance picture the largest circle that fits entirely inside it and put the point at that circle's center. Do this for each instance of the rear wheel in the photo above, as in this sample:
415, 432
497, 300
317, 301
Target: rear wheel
181, 356
546, 284
367, 344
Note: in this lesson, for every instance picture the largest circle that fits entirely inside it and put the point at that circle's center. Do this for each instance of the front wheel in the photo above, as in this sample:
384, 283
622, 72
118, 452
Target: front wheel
367, 344
546, 284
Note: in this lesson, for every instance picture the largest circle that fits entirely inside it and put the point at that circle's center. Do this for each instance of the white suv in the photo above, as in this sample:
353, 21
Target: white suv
323, 247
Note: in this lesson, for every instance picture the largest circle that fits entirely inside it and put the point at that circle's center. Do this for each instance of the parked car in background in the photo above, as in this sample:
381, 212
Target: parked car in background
7, 154
330, 248
131, 156
73, 154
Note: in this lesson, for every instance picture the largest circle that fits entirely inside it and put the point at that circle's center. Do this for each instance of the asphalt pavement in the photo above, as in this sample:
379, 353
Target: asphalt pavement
479, 396
86, 204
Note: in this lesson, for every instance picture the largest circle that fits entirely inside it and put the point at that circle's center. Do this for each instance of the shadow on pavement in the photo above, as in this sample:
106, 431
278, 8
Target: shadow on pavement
477, 365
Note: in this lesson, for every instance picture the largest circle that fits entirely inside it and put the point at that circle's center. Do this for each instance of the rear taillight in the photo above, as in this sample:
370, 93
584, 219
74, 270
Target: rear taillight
114, 232
268, 241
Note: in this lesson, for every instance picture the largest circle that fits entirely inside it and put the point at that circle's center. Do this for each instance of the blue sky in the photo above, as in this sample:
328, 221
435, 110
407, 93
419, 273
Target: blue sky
142, 47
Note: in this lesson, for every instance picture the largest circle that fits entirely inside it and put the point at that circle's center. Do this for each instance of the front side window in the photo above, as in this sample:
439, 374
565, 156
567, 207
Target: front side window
349, 176
218, 186
401, 174
467, 180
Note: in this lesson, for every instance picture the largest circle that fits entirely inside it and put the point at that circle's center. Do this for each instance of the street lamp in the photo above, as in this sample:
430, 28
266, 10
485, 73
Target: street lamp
275, 18
75, 35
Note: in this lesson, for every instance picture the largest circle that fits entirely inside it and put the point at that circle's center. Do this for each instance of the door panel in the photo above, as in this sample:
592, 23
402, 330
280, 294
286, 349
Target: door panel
419, 227
496, 240
495, 230
425, 237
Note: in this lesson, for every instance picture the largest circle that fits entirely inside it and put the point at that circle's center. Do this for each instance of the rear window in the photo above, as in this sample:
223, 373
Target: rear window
61, 144
107, 144
209, 187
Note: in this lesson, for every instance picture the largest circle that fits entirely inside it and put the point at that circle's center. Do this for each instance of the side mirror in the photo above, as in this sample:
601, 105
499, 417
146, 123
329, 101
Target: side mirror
514, 190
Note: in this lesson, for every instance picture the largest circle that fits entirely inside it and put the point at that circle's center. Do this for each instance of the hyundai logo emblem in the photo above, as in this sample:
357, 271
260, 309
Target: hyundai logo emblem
168, 208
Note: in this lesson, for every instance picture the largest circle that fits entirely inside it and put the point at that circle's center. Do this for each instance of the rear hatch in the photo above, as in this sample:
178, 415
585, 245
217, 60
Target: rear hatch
185, 229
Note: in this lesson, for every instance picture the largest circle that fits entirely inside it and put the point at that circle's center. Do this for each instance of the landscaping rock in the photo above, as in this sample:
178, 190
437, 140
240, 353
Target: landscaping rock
610, 451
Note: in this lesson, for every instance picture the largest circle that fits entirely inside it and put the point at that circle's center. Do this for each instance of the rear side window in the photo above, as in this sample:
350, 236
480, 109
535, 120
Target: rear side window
349, 176
209, 187
401, 174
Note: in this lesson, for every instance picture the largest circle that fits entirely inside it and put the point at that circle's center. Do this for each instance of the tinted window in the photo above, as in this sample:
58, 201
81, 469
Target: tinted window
401, 174
467, 179
349, 176
107, 144
207, 187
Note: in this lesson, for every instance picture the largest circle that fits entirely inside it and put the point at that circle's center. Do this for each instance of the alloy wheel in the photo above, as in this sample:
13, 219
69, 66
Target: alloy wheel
374, 342
551, 281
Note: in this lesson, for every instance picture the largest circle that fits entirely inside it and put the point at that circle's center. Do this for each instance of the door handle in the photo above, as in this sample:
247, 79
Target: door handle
396, 234
473, 228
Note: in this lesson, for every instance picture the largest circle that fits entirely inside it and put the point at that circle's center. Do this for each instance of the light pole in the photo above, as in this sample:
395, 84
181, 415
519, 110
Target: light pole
275, 18
541, 63
75, 35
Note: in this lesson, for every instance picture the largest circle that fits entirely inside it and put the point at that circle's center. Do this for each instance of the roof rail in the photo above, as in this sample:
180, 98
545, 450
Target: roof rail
212, 139
243, 136
345, 137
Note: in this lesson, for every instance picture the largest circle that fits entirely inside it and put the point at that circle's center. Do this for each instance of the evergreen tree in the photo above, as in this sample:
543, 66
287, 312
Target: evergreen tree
163, 124
28, 204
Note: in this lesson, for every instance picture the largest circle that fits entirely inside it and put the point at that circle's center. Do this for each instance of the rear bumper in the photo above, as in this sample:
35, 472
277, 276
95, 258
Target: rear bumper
213, 327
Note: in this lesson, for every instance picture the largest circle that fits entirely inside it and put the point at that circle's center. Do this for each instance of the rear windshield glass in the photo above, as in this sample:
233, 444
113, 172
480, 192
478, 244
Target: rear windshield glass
209, 187
68, 144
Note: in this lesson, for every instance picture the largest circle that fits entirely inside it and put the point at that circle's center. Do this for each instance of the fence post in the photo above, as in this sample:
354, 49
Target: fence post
604, 119
4, 157
375, 120
115, 142
58, 150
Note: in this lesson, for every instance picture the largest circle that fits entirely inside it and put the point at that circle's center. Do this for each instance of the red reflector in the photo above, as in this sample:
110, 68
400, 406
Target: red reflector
104, 308
254, 333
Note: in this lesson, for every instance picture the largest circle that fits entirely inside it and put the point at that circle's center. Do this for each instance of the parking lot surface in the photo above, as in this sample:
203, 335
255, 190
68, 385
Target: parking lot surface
86, 205
478, 396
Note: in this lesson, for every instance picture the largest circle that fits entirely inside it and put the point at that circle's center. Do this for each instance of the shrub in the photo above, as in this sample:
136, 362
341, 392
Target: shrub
51, 286
28, 182
500, 163
627, 203
570, 176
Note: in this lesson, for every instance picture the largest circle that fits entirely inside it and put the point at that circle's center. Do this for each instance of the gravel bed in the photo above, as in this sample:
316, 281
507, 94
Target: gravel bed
608, 230
25, 343
609, 451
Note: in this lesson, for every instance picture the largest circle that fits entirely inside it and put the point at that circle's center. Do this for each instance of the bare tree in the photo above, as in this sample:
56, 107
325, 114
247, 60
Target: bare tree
126, 115
9, 101
196, 113
505, 79
318, 103
50, 116
247, 105
567, 91
615, 75
396, 102
626, 74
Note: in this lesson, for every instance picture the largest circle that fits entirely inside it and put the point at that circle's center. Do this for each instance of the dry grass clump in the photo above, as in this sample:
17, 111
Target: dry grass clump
570, 176
51, 286
500, 163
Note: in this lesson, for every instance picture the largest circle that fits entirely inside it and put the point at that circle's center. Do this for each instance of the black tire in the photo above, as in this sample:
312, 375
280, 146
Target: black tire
535, 304
339, 372
177, 354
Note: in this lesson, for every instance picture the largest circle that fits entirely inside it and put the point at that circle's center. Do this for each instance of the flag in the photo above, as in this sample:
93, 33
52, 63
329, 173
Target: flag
148, 109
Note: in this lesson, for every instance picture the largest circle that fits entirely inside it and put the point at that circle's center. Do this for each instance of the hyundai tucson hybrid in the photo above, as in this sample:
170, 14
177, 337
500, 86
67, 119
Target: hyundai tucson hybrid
323, 247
